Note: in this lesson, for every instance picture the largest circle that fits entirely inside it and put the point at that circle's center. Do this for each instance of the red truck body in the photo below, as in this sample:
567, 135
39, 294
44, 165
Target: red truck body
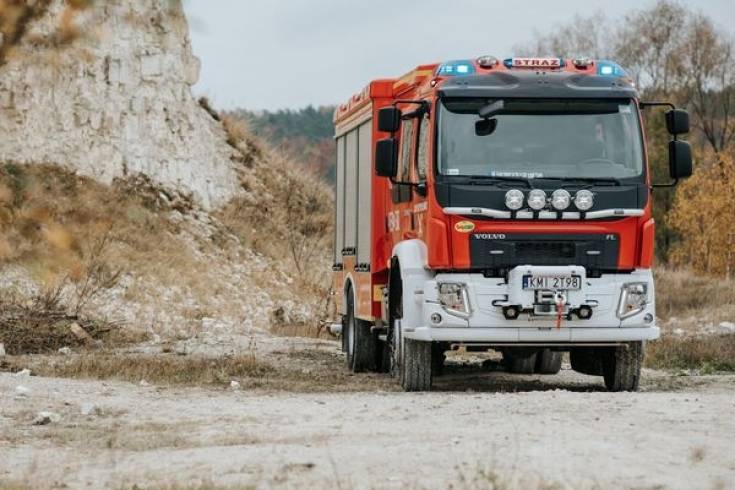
445, 214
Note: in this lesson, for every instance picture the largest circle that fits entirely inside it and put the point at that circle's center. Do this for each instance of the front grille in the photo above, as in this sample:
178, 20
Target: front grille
505, 251
552, 250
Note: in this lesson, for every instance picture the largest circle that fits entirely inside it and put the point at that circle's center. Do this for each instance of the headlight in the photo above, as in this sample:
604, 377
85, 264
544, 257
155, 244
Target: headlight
584, 200
514, 199
537, 199
633, 299
561, 199
454, 298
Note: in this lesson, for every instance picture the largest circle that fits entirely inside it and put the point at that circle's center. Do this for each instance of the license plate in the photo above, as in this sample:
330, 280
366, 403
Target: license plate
552, 283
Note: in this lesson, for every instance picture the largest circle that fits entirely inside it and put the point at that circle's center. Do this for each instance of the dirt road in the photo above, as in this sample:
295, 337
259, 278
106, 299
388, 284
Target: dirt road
558, 432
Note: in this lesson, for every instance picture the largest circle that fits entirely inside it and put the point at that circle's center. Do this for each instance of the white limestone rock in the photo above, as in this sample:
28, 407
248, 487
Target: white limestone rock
116, 102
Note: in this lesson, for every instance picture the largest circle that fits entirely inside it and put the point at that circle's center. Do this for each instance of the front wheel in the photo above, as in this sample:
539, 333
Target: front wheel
621, 366
416, 366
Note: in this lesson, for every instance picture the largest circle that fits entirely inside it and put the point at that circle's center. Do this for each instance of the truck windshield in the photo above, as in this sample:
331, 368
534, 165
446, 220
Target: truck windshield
541, 138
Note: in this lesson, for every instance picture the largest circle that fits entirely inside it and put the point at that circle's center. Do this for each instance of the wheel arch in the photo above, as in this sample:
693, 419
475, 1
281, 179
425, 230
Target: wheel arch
348, 289
410, 259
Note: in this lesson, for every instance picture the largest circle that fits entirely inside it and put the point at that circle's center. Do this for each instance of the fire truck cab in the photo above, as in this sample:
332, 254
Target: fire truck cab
498, 204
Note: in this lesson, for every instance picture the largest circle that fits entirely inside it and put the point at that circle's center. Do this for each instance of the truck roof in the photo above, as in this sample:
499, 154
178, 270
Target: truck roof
488, 76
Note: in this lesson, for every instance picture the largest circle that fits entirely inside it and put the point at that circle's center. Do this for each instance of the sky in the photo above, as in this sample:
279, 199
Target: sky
277, 54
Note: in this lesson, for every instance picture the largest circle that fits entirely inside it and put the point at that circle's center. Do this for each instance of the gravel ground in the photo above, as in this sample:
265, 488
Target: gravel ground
553, 432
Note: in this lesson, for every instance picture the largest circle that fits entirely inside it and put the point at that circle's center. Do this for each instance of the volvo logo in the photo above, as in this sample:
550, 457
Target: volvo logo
490, 236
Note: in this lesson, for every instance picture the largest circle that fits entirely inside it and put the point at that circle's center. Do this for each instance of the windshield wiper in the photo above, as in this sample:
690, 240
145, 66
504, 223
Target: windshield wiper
489, 179
585, 180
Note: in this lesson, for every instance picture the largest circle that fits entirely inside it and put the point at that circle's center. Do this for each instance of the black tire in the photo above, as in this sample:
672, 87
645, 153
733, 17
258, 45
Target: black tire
548, 362
383, 352
521, 364
343, 334
586, 360
621, 366
438, 356
361, 342
416, 365
395, 313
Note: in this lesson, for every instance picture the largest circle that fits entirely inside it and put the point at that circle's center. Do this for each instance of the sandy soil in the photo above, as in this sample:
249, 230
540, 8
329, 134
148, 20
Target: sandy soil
554, 432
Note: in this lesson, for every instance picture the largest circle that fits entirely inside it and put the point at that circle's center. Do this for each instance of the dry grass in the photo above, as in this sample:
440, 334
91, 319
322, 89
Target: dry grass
53, 221
10, 485
147, 436
285, 213
704, 353
42, 325
315, 371
682, 293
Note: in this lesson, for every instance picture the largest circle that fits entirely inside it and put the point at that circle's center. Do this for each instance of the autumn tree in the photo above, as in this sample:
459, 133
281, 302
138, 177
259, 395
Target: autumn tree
703, 217
672, 54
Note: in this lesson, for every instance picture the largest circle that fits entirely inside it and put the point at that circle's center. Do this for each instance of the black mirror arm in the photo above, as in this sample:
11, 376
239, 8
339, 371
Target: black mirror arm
671, 184
424, 108
644, 105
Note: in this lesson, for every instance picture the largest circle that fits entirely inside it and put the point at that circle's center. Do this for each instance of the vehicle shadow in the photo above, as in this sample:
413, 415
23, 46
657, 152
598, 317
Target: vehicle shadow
491, 377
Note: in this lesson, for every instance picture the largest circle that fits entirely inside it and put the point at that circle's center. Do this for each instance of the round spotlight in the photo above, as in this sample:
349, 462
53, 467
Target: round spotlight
584, 200
537, 199
561, 199
514, 199
487, 61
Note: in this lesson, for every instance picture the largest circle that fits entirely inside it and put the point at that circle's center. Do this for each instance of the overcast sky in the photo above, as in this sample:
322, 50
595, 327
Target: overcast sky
272, 54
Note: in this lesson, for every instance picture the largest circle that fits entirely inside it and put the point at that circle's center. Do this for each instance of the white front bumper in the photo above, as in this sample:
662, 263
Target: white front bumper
486, 323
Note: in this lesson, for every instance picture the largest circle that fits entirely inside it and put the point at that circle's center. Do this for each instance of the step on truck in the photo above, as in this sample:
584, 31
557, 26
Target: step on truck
498, 204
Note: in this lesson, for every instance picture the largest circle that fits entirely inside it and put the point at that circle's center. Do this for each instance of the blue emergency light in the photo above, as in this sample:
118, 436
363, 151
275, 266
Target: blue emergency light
610, 69
456, 68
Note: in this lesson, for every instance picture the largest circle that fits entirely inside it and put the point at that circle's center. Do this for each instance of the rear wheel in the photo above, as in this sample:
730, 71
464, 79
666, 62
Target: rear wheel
438, 356
586, 360
548, 362
520, 364
621, 366
360, 341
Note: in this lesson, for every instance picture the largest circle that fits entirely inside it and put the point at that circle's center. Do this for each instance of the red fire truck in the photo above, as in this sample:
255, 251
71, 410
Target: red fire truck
498, 204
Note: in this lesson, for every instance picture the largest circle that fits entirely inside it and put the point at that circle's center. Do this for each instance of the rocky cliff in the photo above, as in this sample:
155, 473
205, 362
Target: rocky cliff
115, 100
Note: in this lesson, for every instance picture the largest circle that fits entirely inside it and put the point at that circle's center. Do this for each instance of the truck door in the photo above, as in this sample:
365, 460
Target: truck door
408, 202
423, 154
398, 218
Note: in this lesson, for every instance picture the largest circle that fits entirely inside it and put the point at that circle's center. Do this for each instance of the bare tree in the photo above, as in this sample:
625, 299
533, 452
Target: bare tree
708, 81
649, 45
581, 37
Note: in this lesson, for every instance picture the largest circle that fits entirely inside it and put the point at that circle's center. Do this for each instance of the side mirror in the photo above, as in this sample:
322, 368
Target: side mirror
485, 127
389, 119
680, 159
677, 121
386, 158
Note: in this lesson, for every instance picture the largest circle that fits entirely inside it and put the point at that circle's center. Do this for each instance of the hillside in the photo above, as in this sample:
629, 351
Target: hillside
123, 202
305, 135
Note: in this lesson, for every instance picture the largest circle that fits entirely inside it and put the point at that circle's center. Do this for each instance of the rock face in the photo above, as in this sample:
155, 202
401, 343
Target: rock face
116, 101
